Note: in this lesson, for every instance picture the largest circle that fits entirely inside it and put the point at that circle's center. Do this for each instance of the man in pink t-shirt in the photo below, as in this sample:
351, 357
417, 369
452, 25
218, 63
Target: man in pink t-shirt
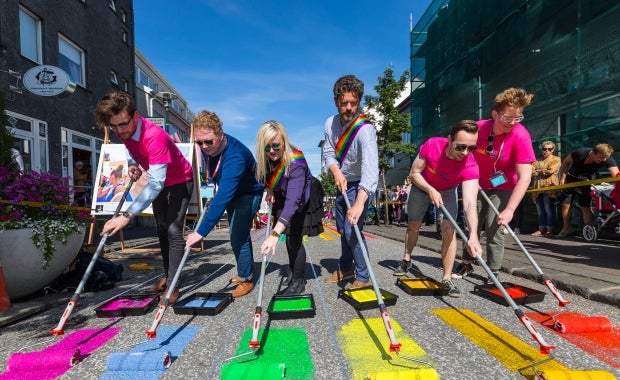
504, 154
442, 164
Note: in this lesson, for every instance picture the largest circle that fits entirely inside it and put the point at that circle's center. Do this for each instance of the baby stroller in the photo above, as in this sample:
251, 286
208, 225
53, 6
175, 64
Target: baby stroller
606, 198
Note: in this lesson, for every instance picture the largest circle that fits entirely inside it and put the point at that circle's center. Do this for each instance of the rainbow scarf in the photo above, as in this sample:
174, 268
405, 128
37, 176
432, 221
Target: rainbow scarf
275, 179
347, 137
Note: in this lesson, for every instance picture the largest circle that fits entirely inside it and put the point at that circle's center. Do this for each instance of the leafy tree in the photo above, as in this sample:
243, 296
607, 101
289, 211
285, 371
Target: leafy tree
6, 139
382, 110
328, 183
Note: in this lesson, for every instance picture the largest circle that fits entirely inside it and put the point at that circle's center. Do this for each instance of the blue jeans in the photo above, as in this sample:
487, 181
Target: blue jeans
546, 211
241, 212
351, 251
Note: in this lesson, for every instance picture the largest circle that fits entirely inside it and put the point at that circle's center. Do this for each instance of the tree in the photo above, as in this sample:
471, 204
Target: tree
329, 185
382, 110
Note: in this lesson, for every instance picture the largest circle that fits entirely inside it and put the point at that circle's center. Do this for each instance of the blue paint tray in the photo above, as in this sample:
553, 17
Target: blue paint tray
293, 306
127, 305
203, 304
365, 298
421, 286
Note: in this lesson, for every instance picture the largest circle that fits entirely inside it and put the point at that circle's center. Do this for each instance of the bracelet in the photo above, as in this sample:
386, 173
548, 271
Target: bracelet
275, 233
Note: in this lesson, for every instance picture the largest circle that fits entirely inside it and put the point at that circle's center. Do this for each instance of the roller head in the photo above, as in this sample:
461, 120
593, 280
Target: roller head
574, 323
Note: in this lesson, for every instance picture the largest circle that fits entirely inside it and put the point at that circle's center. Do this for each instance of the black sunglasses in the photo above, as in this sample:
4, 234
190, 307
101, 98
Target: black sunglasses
275, 147
490, 146
462, 147
547, 149
204, 142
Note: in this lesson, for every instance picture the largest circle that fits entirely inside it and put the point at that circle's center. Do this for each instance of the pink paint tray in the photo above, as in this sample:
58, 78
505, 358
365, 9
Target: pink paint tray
365, 298
422, 286
520, 294
128, 305
203, 304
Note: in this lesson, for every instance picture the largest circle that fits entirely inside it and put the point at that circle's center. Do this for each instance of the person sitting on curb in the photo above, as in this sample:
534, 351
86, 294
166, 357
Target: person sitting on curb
442, 164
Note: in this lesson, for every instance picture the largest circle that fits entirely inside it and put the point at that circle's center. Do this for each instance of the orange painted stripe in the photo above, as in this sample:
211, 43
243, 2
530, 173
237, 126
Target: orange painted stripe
604, 345
335, 231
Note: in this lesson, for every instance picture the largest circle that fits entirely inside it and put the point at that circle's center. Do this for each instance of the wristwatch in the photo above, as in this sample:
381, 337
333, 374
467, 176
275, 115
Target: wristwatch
275, 233
127, 214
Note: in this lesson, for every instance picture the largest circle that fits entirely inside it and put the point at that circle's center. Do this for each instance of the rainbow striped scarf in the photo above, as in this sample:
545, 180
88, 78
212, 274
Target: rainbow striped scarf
347, 137
275, 179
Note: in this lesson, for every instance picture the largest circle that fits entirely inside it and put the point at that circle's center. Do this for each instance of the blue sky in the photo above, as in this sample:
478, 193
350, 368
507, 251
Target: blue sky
252, 61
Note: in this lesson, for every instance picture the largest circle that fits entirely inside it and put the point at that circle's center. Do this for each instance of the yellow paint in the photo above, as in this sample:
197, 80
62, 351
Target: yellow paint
421, 283
366, 346
512, 352
326, 236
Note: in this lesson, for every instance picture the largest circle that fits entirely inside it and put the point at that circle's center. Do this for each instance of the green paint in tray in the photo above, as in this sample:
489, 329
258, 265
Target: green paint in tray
291, 304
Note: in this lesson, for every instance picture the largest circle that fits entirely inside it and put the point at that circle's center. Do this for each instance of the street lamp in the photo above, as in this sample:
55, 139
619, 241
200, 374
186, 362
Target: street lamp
166, 97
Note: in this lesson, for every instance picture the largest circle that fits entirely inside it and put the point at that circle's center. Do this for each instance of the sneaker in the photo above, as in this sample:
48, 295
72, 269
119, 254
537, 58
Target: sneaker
339, 275
403, 268
360, 284
462, 270
453, 291
488, 279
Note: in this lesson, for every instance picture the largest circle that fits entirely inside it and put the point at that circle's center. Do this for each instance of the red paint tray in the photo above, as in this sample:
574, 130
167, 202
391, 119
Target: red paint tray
128, 305
365, 298
203, 304
293, 306
423, 286
520, 294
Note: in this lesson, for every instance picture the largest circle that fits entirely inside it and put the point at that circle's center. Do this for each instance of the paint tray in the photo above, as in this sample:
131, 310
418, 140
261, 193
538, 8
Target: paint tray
520, 294
423, 286
292, 306
203, 304
128, 305
365, 298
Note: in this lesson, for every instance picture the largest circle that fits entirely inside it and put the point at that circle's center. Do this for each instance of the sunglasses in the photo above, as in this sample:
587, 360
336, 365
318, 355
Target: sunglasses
547, 149
275, 147
490, 146
508, 119
115, 127
204, 142
462, 147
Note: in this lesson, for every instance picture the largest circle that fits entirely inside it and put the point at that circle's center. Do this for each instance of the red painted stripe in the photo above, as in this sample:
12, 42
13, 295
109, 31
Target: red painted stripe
603, 345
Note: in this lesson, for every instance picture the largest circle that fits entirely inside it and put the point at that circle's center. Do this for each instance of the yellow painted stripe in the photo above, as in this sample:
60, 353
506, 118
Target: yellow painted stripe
366, 346
508, 349
325, 236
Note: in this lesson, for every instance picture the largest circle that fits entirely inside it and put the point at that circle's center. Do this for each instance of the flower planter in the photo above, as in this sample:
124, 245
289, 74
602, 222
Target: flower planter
21, 261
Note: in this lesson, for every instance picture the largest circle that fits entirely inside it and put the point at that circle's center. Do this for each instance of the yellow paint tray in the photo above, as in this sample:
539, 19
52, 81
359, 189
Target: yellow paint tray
422, 286
365, 298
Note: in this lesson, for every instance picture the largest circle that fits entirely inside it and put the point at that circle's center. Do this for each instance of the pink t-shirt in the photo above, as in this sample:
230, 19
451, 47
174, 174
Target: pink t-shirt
441, 172
156, 147
513, 148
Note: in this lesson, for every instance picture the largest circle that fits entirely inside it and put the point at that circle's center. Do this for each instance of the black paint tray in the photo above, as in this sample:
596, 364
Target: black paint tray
128, 305
520, 294
291, 306
422, 286
365, 298
203, 304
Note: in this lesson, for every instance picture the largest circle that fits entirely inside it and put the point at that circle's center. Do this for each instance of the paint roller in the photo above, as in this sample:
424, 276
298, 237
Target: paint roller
574, 323
59, 330
254, 343
545, 280
557, 374
35, 361
138, 361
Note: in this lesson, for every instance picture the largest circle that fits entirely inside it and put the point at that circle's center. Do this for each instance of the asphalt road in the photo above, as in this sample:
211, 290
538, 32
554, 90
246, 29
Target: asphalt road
461, 338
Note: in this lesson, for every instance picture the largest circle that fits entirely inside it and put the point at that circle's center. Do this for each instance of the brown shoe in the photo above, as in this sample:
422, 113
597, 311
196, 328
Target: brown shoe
160, 287
243, 288
173, 297
359, 284
339, 275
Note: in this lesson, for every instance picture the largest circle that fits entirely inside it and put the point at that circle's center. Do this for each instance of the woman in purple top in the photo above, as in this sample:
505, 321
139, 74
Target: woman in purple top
296, 198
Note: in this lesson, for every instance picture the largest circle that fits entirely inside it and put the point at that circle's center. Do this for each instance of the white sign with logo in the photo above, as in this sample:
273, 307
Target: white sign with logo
47, 80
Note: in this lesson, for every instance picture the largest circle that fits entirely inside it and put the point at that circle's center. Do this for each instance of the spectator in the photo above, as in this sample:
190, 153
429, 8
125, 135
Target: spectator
350, 152
79, 183
582, 165
296, 196
442, 164
389, 197
231, 167
505, 155
544, 174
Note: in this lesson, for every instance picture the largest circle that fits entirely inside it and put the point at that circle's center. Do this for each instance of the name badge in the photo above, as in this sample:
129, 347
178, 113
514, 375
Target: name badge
497, 178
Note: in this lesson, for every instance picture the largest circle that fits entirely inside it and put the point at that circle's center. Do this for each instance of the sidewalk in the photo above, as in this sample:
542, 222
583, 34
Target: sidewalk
590, 270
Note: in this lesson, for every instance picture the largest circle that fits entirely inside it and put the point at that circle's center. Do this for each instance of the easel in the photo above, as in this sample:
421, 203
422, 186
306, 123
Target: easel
197, 204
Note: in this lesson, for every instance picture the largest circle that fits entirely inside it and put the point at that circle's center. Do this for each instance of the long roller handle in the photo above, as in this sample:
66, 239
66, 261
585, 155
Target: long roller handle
254, 343
59, 330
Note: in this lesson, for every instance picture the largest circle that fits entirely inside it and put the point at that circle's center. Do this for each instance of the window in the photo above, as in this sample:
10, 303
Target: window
112, 5
30, 36
71, 60
124, 35
123, 16
125, 85
113, 77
